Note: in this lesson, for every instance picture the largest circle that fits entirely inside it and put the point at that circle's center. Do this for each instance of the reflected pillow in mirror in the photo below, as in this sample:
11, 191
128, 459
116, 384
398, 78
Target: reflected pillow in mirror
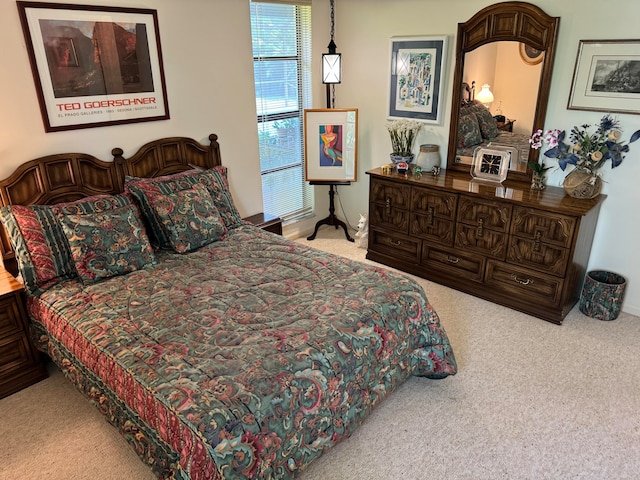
469, 133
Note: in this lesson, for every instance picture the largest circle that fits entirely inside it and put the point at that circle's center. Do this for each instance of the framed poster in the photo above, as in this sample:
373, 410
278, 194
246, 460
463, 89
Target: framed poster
94, 66
331, 144
606, 77
417, 78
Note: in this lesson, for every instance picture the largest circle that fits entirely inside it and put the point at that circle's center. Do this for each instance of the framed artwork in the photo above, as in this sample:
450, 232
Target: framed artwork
530, 55
331, 144
606, 77
94, 66
417, 78
490, 164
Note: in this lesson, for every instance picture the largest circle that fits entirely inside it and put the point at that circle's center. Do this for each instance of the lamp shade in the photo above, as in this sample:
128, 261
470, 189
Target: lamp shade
485, 95
331, 68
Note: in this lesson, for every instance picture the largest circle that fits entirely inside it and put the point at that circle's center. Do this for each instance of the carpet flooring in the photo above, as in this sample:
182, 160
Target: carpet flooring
531, 400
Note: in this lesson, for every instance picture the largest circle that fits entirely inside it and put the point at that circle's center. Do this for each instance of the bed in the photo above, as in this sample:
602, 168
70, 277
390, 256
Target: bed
218, 350
477, 128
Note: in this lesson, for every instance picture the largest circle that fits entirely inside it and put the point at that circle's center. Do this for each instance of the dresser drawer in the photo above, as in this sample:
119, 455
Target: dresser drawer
484, 213
10, 316
432, 228
540, 226
394, 245
15, 353
432, 203
541, 256
391, 195
523, 284
481, 240
453, 262
383, 216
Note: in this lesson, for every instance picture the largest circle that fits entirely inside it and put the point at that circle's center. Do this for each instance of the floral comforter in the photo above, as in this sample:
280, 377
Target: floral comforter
245, 359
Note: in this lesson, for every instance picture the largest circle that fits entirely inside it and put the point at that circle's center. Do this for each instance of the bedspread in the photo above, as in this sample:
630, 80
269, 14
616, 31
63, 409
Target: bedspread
249, 357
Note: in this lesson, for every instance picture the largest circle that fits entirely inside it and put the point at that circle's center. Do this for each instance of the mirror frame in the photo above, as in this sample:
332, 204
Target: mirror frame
506, 21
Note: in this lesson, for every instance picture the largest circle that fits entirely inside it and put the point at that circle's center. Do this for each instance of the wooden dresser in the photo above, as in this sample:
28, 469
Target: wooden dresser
19, 362
527, 250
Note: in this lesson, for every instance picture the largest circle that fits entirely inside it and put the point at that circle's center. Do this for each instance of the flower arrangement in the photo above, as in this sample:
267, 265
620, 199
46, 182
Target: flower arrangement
589, 151
403, 133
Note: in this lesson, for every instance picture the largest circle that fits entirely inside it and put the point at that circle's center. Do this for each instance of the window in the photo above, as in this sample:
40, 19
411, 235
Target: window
281, 38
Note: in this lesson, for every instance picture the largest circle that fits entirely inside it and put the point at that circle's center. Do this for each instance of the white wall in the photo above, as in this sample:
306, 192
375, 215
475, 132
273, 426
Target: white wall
209, 73
207, 58
363, 32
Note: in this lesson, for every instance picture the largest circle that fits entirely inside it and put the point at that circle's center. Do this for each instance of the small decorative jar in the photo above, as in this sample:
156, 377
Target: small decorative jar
428, 157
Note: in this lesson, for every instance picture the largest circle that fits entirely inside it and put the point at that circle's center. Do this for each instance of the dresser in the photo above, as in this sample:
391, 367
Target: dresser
521, 248
19, 362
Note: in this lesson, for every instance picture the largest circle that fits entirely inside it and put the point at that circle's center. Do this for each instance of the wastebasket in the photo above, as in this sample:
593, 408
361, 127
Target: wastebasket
602, 295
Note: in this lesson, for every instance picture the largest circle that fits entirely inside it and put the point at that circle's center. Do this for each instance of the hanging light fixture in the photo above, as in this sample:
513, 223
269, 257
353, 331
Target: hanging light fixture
331, 62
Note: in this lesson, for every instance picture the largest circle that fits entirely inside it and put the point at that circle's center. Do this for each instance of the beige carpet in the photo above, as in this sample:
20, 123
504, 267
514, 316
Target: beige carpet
532, 400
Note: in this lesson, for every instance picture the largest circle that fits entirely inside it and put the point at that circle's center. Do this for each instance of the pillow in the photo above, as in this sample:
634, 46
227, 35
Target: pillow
215, 181
189, 218
468, 131
107, 243
40, 245
488, 125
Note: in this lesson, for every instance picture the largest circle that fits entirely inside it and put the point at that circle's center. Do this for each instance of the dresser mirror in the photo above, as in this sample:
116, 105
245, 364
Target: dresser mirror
509, 46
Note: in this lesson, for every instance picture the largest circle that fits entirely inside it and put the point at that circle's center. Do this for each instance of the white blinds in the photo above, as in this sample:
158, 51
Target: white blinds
281, 39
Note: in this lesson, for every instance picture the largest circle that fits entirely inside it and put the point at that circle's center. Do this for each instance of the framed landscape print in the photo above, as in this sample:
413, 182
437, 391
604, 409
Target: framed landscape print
331, 144
416, 80
94, 66
606, 77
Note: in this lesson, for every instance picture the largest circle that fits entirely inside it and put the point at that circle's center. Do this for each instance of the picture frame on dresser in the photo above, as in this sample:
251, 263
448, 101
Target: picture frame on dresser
94, 66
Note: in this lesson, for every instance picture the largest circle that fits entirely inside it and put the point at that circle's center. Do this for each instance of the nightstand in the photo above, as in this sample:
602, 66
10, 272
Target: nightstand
506, 126
267, 222
20, 365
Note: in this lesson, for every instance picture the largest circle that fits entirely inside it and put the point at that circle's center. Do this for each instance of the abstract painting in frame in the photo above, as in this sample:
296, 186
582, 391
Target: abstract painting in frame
94, 66
331, 144
417, 78
606, 77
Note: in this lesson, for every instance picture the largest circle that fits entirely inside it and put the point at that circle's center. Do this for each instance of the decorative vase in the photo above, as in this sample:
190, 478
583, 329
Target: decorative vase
582, 184
401, 158
537, 181
429, 157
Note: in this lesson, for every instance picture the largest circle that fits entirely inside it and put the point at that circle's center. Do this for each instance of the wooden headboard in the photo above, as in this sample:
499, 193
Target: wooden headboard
67, 177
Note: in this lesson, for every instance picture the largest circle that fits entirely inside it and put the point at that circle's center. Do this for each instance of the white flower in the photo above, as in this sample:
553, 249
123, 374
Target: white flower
403, 134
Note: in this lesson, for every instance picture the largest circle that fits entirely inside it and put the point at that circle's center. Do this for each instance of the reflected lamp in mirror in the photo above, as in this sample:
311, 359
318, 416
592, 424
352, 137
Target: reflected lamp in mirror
331, 65
485, 96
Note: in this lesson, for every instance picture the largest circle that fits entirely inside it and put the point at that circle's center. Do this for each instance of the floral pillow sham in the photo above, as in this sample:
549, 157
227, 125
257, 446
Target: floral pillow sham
108, 243
40, 245
213, 179
189, 218
468, 131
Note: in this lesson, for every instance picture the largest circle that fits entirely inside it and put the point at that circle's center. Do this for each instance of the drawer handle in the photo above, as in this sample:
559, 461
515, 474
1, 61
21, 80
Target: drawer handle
388, 205
430, 216
536, 242
451, 259
528, 281
480, 229
397, 244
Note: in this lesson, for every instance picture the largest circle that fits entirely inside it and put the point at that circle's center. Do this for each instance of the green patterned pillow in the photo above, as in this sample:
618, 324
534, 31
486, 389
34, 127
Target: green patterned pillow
214, 179
41, 248
189, 218
107, 243
468, 131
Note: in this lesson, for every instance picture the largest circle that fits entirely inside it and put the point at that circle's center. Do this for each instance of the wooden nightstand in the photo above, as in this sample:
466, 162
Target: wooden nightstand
506, 126
266, 222
20, 365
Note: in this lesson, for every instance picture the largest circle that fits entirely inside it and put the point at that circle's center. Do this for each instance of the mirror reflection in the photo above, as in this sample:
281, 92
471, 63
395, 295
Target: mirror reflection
498, 101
